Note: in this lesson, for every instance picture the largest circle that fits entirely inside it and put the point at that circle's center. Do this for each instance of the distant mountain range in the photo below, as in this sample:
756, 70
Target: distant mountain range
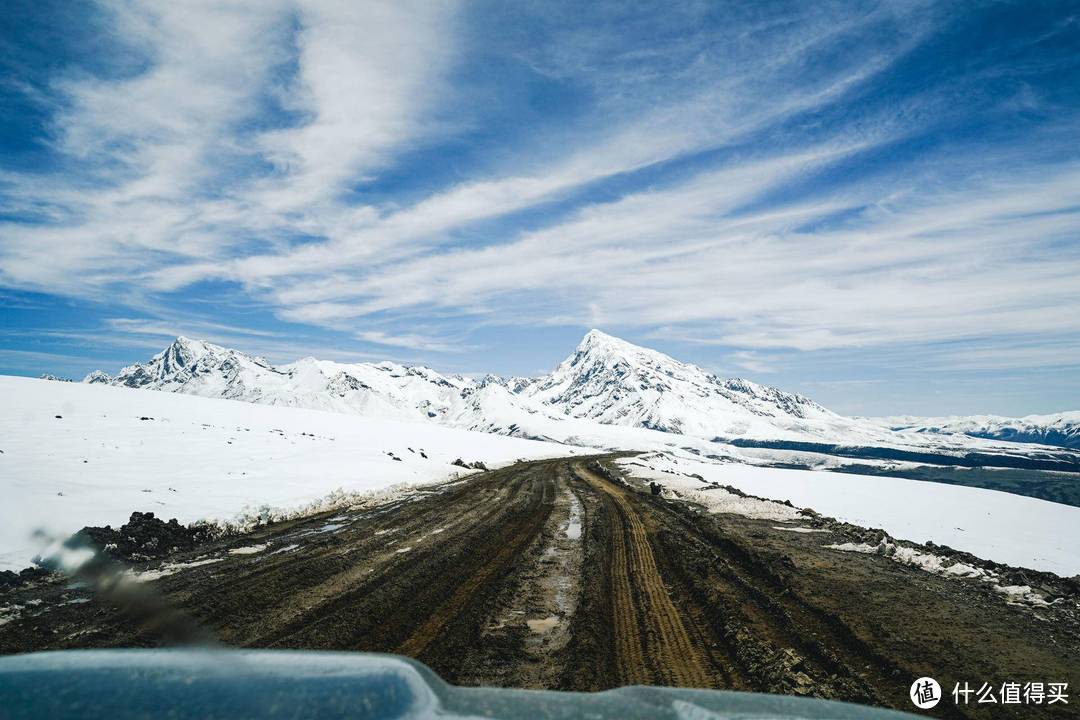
1061, 429
605, 380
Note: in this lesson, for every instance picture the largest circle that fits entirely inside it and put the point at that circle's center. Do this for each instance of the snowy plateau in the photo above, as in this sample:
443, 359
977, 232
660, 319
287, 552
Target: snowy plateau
229, 436
1055, 429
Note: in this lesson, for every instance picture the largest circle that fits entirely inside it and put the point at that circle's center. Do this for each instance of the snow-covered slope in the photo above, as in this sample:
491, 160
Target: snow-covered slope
73, 454
1061, 429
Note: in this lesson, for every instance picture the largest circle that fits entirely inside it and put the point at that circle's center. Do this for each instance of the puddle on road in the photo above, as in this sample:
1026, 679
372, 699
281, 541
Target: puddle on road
542, 625
573, 524
572, 531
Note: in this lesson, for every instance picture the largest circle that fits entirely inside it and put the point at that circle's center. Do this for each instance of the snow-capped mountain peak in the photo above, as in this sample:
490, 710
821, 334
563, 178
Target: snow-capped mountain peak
616, 382
605, 380
184, 363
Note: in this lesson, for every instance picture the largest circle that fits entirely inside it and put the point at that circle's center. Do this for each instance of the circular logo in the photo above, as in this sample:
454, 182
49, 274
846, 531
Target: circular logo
925, 693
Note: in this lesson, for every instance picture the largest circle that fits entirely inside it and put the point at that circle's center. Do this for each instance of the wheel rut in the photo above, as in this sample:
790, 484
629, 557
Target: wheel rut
653, 643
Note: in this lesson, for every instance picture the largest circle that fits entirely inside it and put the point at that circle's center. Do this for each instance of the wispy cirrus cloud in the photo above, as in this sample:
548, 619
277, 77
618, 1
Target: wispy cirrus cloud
247, 122
413, 341
912, 269
201, 188
773, 178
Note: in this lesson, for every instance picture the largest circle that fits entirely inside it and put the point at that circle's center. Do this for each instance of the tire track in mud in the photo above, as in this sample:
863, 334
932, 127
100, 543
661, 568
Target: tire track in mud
651, 640
270, 600
520, 535
374, 565
768, 616
426, 600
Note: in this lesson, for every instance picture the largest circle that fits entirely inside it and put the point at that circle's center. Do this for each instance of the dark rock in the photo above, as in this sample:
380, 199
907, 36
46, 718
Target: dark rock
10, 579
143, 536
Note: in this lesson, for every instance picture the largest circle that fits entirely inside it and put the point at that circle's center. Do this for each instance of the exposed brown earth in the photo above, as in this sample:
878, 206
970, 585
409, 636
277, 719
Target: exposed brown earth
561, 574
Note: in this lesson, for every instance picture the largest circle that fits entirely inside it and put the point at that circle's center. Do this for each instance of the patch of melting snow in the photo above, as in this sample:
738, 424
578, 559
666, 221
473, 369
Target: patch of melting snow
798, 529
542, 625
171, 569
938, 565
1021, 594
718, 500
404, 550
715, 500
330, 527
854, 547
249, 550
287, 548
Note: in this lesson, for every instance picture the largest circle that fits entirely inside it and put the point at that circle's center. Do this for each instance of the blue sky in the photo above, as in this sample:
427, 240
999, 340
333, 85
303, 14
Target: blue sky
875, 204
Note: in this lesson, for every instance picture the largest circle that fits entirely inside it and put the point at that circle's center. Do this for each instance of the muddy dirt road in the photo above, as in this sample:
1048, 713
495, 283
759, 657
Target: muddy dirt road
563, 574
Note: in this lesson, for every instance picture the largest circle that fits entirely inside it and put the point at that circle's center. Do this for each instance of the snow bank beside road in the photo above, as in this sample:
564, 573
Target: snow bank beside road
112, 451
998, 526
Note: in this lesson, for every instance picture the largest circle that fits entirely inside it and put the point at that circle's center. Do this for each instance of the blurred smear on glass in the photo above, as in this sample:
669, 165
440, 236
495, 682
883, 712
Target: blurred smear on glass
118, 585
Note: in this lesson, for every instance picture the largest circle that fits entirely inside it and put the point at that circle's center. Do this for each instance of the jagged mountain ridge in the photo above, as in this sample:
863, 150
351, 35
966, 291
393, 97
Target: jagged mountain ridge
386, 389
606, 380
